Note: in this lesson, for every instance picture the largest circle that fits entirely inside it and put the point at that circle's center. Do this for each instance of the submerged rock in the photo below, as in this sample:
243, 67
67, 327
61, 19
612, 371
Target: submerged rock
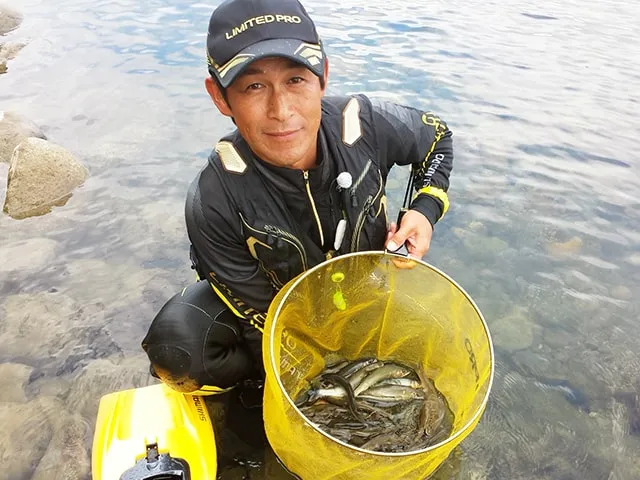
524, 422
52, 333
104, 376
67, 457
514, 331
570, 247
32, 322
32, 255
13, 377
478, 244
9, 19
13, 130
43, 439
621, 292
41, 175
26, 432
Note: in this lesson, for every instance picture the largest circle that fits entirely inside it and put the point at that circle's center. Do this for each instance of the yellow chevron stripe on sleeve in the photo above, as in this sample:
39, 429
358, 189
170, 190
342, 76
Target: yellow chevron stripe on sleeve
439, 194
226, 301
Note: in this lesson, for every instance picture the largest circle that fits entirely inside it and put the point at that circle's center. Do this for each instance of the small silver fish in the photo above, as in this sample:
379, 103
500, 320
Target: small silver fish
336, 395
403, 382
339, 381
335, 367
392, 392
353, 367
382, 373
356, 378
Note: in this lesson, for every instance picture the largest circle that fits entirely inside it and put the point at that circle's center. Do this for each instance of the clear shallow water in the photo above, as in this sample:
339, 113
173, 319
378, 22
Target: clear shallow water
543, 232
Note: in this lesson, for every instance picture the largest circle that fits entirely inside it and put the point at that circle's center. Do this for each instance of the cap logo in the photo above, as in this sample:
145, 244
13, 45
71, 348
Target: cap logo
311, 53
237, 60
260, 20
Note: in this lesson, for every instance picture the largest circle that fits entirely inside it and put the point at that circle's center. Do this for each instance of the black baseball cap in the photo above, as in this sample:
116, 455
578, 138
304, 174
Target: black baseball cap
242, 31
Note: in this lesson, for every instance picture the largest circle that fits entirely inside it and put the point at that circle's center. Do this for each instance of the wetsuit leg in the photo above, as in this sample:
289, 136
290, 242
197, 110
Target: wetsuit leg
195, 344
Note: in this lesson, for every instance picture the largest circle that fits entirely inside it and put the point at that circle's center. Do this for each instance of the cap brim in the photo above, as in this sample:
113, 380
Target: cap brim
307, 54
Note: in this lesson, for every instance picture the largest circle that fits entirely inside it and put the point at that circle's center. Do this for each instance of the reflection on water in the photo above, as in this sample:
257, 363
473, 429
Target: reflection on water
543, 231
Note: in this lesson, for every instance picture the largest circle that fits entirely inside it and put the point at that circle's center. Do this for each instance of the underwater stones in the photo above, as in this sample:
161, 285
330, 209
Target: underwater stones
66, 457
13, 377
43, 436
55, 333
31, 255
104, 376
164, 220
31, 322
560, 249
513, 331
26, 432
478, 244
13, 130
621, 292
526, 419
41, 175
120, 283
477, 227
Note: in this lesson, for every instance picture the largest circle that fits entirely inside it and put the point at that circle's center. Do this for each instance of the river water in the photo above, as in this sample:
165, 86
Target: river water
543, 231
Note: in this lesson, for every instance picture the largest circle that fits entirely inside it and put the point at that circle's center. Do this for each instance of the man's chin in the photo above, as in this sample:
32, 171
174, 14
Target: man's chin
285, 157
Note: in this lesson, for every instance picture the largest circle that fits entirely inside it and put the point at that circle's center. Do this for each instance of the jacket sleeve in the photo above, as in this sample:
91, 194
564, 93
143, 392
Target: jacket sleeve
221, 255
407, 136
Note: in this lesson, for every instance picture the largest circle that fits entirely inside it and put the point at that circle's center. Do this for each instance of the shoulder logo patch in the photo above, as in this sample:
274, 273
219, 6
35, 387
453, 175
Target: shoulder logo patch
230, 158
351, 126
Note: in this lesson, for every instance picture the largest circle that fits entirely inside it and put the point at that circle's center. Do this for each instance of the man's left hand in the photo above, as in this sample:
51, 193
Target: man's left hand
415, 231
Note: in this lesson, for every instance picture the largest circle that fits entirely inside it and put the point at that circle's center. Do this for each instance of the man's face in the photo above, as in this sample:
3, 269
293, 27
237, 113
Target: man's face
275, 104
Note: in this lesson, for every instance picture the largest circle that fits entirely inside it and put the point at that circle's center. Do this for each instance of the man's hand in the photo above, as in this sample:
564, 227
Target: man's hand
415, 230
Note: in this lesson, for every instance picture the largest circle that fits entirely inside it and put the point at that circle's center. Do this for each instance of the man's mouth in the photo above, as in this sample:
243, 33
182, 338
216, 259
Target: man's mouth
282, 134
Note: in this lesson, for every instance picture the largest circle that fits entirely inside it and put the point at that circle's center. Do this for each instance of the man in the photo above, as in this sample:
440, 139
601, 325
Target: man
301, 180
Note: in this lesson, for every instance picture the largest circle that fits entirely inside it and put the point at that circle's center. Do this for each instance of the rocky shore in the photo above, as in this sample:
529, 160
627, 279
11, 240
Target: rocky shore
41, 174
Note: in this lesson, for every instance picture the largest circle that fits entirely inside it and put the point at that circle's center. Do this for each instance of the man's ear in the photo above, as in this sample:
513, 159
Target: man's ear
216, 95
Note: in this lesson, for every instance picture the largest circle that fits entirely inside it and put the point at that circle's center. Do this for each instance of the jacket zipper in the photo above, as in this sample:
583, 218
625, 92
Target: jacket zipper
305, 173
362, 216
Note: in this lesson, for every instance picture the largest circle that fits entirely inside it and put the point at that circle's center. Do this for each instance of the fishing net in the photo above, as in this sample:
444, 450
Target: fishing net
363, 305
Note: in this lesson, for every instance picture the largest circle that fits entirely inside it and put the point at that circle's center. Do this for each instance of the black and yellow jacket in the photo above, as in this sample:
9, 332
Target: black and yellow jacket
254, 226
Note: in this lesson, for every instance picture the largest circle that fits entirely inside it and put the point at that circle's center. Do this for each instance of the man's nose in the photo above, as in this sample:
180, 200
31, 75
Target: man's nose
279, 105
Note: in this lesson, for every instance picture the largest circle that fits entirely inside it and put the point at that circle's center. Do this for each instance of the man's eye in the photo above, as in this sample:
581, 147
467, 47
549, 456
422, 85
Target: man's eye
253, 86
296, 80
